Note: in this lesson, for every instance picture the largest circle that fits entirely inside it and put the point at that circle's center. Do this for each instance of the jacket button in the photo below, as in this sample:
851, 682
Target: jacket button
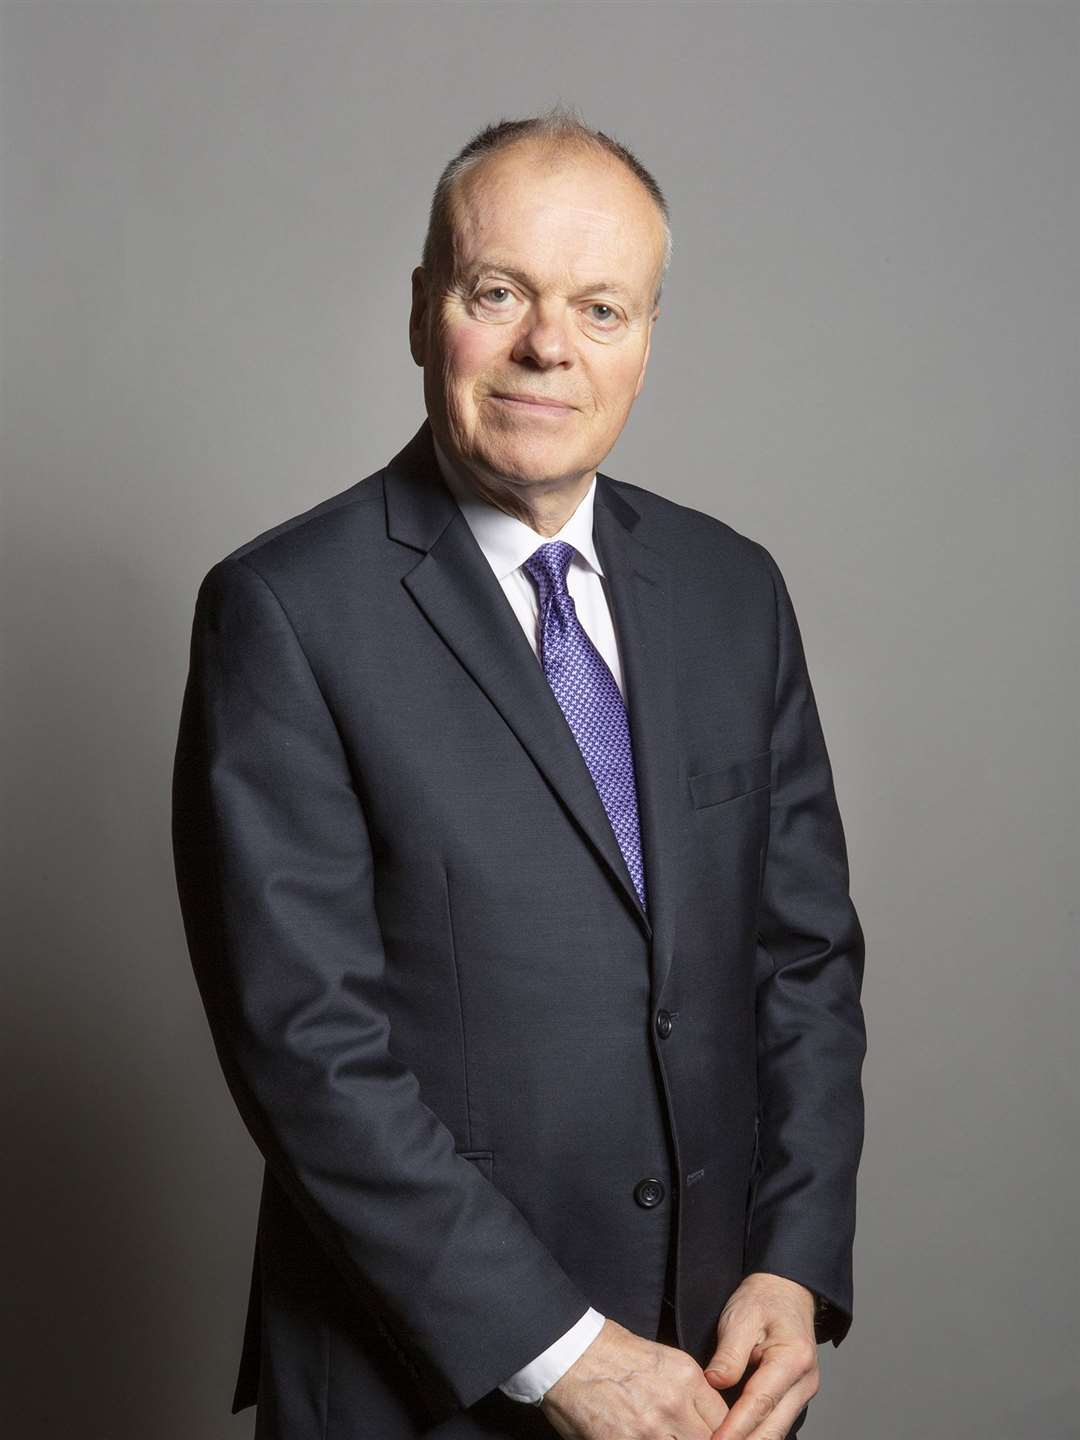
648, 1193
663, 1024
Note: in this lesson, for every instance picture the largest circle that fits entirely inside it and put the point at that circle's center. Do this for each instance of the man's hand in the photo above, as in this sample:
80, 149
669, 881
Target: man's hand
769, 1321
624, 1387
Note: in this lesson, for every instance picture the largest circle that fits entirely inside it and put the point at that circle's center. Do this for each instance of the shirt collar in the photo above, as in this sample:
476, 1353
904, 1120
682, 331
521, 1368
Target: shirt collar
508, 542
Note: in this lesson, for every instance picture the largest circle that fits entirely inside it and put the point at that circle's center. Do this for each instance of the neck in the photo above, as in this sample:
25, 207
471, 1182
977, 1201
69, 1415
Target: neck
545, 506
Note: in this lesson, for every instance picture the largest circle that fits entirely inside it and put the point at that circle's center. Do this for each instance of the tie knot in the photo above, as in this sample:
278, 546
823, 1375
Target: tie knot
548, 566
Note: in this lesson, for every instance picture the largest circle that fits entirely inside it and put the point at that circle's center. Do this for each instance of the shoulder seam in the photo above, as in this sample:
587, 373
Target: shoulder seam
299, 522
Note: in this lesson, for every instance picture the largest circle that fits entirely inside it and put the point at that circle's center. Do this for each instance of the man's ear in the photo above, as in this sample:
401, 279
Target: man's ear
418, 316
645, 358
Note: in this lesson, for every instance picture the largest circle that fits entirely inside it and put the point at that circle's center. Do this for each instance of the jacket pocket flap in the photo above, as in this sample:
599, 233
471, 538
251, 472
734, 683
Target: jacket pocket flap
737, 777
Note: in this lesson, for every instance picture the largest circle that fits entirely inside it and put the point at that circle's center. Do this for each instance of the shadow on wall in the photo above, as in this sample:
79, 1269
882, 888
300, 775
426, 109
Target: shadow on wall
129, 1268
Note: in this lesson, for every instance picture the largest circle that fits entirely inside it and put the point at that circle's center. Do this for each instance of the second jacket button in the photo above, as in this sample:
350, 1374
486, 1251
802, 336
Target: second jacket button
648, 1193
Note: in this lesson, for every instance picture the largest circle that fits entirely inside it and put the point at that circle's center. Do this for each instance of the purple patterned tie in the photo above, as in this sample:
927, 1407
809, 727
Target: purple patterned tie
589, 698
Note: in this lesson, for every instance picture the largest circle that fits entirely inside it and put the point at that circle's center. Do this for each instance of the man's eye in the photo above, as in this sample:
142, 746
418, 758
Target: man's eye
495, 290
604, 319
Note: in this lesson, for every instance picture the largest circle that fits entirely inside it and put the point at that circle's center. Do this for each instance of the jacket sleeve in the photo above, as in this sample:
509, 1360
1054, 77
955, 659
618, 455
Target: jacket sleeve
810, 1026
275, 875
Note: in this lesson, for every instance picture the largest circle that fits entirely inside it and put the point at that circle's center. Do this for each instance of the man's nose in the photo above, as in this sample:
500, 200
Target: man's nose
546, 337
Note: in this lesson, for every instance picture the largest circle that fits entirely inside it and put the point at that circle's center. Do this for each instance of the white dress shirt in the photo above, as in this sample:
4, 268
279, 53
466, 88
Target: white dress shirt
507, 542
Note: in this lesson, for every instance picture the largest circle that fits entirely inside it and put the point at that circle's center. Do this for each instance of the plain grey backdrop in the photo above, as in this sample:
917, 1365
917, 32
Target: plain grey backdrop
867, 359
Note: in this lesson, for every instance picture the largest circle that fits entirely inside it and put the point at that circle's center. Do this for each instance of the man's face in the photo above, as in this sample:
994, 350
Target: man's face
550, 297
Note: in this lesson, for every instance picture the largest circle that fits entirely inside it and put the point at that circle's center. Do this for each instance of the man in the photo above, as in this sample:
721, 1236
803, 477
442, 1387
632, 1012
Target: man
516, 888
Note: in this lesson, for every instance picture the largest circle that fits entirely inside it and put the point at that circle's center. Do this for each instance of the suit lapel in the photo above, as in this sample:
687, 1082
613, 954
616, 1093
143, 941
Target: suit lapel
641, 604
454, 585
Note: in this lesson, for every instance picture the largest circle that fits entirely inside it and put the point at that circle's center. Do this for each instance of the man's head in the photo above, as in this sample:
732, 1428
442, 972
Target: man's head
542, 268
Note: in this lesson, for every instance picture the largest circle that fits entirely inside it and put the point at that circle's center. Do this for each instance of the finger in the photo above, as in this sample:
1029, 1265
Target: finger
771, 1398
778, 1424
711, 1406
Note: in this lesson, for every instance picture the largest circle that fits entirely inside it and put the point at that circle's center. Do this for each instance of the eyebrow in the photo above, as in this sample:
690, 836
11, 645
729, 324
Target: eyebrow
480, 267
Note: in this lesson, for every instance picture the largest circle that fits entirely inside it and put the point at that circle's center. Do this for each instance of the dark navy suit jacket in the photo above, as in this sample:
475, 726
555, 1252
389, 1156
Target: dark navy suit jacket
455, 1037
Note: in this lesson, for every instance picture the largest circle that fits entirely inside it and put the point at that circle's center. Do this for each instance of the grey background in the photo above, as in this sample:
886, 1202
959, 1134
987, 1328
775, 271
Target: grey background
867, 359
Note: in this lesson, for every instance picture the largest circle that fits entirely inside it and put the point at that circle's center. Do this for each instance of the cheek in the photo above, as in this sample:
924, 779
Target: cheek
618, 379
470, 353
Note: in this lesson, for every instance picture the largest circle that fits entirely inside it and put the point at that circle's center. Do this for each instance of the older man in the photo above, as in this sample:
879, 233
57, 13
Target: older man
516, 888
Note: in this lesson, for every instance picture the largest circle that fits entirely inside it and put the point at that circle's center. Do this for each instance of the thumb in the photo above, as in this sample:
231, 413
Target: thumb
729, 1358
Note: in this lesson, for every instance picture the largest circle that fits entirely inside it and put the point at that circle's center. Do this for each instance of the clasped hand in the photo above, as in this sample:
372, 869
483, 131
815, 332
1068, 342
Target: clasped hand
624, 1387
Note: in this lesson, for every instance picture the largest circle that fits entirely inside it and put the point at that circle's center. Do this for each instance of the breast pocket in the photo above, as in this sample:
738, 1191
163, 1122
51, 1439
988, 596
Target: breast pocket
735, 778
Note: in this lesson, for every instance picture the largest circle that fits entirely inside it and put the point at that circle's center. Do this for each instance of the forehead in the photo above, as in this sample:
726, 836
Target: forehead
574, 214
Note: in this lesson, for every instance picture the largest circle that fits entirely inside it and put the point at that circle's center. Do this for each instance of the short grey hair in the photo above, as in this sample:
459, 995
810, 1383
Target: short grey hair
560, 128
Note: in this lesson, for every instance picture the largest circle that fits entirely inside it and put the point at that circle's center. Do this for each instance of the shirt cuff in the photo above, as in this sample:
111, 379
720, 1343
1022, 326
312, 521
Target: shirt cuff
533, 1381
